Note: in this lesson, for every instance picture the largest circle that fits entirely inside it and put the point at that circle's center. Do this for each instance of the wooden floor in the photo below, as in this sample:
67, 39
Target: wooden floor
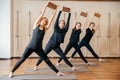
105, 71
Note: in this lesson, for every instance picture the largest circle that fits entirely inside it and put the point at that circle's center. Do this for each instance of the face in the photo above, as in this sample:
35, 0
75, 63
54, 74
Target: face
62, 24
78, 26
92, 25
44, 22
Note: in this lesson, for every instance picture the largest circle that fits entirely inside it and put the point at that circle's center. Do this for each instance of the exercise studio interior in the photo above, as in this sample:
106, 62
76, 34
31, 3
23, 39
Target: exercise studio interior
60, 40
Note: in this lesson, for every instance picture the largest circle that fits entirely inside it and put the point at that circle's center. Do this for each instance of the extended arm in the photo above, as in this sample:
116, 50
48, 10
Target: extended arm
68, 21
57, 19
51, 19
41, 15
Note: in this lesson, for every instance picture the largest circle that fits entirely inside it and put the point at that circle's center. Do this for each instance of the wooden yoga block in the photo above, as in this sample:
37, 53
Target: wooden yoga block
52, 5
84, 14
66, 9
97, 15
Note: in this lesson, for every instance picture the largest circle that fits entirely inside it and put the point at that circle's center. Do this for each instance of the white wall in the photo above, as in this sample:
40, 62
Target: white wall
103, 46
4, 28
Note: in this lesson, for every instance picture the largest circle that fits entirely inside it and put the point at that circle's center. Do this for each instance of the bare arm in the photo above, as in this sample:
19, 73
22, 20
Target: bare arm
50, 21
75, 21
41, 15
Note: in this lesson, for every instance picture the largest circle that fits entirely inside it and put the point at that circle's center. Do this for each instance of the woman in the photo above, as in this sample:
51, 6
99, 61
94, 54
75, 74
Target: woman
35, 44
60, 30
85, 41
74, 39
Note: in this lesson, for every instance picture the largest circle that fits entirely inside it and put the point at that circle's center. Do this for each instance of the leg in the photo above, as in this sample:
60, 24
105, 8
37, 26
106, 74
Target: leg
44, 57
62, 55
59, 51
69, 46
92, 51
25, 55
47, 50
80, 53
80, 45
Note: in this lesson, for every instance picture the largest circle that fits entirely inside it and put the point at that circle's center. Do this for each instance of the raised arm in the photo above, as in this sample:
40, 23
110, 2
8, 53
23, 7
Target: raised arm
41, 15
75, 21
96, 27
57, 19
50, 21
68, 21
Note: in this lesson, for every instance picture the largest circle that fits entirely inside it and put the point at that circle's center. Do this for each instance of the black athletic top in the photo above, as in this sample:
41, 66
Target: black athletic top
75, 35
88, 35
37, 38
59, 34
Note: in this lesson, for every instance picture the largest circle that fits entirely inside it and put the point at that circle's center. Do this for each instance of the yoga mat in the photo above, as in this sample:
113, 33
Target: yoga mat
79, 61
78, 65
38, 77
61, 69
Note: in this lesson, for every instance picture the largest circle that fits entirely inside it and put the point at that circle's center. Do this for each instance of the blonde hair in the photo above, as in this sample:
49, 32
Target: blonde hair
44, 18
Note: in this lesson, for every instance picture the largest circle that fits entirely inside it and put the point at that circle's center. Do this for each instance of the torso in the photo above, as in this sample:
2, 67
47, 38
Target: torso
37, 38
75, 36
58, 35
88, 35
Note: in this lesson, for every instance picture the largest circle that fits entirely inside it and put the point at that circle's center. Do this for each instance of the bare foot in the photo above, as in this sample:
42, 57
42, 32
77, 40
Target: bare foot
89, 64
70, 59
35, 68
101, 60
57, 64
11, 75
60, 74
74, 68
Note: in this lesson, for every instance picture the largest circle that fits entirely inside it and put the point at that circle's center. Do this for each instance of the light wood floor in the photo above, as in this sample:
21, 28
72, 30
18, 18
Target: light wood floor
105, 71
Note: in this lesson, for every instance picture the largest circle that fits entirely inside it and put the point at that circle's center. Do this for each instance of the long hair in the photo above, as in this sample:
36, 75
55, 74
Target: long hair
94, 25
44, 18
76, 24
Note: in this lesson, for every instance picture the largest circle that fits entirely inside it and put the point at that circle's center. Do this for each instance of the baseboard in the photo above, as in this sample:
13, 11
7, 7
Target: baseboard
58, 57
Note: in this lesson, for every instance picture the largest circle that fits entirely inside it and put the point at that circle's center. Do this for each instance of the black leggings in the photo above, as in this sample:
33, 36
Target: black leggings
76, 46
40, 53
87, 45
58, 50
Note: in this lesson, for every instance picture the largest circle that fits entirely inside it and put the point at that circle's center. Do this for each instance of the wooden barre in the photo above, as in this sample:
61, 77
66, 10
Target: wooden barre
66, 9
52, 5
84, 14
97, 15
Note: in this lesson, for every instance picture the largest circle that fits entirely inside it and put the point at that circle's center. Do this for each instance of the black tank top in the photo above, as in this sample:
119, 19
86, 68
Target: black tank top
88, 35
75, 35
37, 38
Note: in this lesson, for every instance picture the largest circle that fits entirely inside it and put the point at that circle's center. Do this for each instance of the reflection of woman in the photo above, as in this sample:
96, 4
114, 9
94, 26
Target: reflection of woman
56, 39
85, 41
74, 39
35, 44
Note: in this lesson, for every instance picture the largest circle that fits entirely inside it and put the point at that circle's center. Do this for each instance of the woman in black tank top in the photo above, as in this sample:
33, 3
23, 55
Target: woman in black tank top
86, 39
35, 44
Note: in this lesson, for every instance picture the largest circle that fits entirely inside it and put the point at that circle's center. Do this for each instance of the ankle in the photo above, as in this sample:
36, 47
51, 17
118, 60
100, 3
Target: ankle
60, 73
11, 75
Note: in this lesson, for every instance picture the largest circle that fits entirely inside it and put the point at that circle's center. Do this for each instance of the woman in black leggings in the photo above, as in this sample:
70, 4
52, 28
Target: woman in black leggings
56, 39
85, 41
35, 44
74, 39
